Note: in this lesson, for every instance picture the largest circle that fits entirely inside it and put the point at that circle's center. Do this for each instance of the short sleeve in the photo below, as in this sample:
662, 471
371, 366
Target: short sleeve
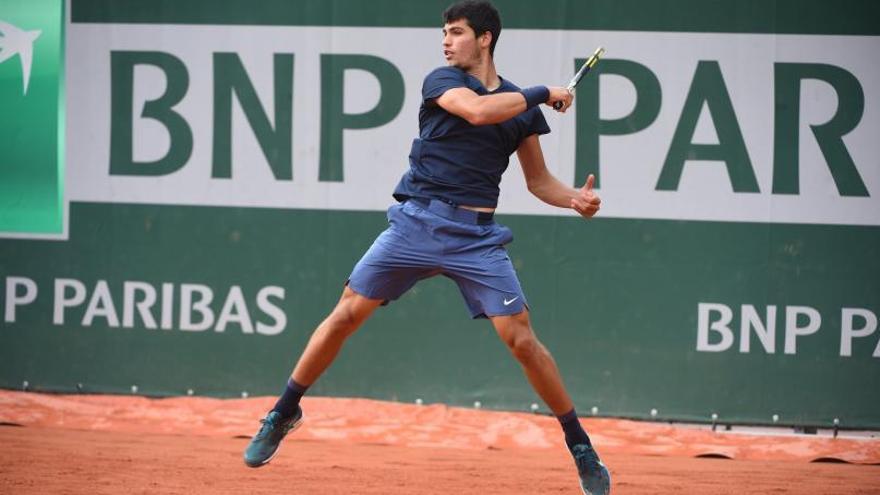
535, 122
441, 80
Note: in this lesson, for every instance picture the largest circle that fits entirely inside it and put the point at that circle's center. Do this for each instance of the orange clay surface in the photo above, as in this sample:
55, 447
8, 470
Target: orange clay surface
115, 444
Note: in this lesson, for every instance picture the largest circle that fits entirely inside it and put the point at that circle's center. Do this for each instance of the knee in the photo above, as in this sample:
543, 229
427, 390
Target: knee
526, 348
343, 321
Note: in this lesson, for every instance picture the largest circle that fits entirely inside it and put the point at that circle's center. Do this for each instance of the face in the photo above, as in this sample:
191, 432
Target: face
461, 46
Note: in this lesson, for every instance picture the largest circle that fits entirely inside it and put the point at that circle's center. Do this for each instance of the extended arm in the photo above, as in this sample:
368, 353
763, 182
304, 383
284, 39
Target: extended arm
495, 108
549, 189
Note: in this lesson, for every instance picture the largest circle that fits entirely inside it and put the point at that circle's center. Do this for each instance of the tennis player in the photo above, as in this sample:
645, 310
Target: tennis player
470, 121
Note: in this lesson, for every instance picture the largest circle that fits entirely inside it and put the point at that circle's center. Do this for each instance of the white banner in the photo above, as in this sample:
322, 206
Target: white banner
375, 158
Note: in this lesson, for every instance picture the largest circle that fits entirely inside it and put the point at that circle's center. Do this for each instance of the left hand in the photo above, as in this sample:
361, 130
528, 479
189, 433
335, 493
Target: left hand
587, 201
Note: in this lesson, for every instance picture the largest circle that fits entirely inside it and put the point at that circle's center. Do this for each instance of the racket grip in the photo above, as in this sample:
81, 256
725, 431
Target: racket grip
557, 105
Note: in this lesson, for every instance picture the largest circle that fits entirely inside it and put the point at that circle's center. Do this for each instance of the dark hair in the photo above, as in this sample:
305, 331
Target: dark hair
480, 15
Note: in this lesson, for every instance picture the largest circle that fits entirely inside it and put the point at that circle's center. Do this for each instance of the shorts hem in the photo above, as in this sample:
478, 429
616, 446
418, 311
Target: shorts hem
484, 315
367, 294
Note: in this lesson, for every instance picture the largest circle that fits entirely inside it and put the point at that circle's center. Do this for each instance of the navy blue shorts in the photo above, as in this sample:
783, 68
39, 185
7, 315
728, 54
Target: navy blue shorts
434, 238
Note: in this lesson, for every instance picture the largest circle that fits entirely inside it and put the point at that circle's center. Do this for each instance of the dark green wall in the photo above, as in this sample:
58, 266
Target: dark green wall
614, 300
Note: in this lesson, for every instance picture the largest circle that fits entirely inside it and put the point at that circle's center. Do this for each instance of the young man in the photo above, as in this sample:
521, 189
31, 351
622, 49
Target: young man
471, 120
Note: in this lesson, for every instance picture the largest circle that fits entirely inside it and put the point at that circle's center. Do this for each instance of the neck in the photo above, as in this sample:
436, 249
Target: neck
485, 72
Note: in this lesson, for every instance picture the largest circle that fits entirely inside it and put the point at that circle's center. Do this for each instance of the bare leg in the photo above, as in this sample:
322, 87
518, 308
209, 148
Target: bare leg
326, 341
536, 361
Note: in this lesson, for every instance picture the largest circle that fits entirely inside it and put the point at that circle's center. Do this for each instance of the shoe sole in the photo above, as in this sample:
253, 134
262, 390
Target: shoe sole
608, 475
291, 430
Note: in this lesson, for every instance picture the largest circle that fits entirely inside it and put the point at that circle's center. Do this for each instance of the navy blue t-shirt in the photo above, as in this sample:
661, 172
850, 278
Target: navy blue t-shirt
455, 161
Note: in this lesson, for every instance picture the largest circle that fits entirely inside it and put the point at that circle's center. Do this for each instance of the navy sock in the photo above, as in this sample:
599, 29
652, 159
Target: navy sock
574, 432
289, 400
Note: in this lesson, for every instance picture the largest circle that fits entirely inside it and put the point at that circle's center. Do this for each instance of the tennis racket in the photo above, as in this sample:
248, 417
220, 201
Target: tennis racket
589, 64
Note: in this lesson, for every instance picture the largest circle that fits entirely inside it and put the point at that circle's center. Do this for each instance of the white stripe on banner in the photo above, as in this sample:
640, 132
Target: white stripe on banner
375, 158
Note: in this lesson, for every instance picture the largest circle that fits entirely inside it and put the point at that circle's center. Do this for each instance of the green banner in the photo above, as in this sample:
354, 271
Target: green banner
855, 17
618, 302
32, 119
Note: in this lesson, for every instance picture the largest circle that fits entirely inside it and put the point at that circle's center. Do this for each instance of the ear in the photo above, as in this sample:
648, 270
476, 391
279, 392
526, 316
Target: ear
485, 39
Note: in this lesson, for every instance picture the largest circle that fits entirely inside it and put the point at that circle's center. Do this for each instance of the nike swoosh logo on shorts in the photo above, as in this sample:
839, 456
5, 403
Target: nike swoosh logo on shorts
507, 303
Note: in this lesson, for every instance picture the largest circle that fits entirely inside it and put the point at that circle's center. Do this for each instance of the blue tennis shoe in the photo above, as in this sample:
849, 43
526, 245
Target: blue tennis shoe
595, 479
264, 445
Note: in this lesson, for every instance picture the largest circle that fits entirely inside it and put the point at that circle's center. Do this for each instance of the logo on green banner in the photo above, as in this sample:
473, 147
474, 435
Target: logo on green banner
32, 119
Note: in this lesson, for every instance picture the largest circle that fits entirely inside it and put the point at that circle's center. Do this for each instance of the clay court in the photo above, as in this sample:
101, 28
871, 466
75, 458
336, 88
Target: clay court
113, 444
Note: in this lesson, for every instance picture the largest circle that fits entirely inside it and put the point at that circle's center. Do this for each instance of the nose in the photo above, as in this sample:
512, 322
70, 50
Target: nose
446, 40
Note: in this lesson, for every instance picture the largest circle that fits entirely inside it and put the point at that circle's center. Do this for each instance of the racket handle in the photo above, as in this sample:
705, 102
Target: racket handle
557, 105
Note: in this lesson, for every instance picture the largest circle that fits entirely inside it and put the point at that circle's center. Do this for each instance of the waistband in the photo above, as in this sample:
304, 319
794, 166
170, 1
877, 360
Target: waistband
453, 212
